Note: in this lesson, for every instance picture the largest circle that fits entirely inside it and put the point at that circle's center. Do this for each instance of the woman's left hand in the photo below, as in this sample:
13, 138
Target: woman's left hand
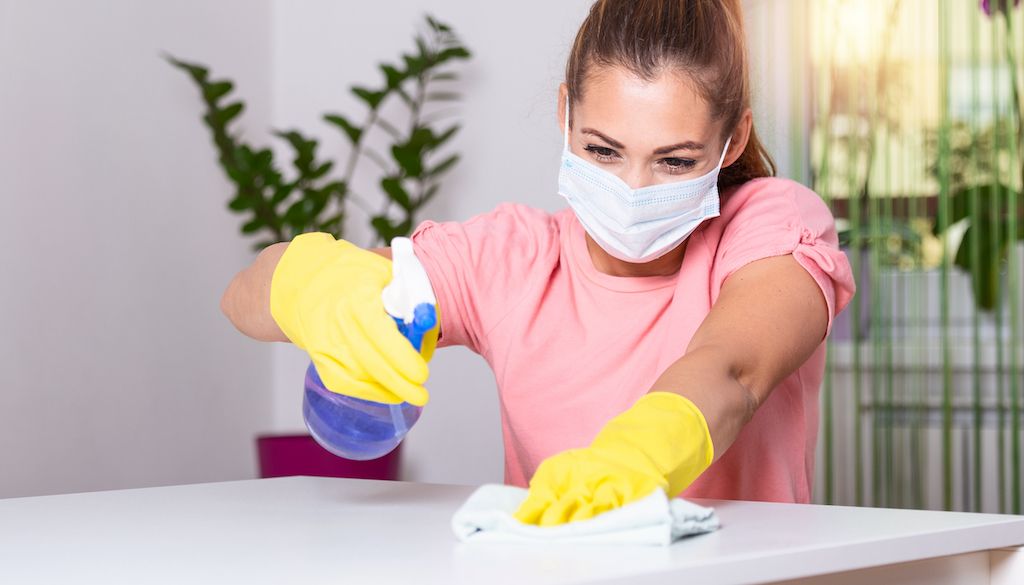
662, 442
581, 483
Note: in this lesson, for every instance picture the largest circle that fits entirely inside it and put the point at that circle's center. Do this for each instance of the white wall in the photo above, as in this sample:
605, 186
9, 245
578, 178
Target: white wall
116, 366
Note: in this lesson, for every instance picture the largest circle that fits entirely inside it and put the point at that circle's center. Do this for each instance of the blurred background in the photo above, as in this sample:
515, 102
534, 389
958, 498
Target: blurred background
134, 188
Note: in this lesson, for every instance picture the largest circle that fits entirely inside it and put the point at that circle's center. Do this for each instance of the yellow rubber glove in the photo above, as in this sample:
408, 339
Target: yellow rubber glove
325, 295
661, 442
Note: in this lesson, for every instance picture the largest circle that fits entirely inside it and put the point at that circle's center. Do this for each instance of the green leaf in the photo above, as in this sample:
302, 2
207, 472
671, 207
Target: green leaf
241, 202
281, 193
298, 213
264, 159
443, 166
444, 76
305, 153
409, 158
353, 132
243, 155
393, 76
453, 53
404, 228
414, 65
236, 174
443, 96
224, 116
337, 188
320, 171
253, 226
436, 25
410, 154
213, 91
444, 137
382, 225
387, 231
270, 178
990, 203
316, 202
332, 224
421, 137
984, 278
198, 72
393, 187
990, 198
372, 98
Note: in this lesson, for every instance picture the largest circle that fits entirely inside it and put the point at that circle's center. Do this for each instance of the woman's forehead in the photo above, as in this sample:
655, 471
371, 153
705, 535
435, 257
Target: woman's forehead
616, 101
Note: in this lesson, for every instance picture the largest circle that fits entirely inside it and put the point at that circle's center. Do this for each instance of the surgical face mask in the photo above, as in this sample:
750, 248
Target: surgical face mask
635, 225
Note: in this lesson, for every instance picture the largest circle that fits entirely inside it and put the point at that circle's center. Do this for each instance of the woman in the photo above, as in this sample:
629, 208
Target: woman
666, 331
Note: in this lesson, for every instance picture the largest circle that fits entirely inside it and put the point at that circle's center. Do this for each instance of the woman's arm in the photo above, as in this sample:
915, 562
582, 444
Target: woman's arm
246, 301
767, 321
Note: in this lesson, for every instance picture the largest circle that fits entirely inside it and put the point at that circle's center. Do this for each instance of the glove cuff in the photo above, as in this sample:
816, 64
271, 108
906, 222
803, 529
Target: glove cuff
305, 256
664, 431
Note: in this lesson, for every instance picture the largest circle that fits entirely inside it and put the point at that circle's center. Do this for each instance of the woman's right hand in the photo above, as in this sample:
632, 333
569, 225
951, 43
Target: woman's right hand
325, 295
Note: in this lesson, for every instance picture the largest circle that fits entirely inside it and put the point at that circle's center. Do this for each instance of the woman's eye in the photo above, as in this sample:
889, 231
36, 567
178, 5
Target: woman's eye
601, 153
679, 165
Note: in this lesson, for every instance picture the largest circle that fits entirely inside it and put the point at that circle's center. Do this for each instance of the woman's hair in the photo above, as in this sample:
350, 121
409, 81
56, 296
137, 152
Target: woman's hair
703, 39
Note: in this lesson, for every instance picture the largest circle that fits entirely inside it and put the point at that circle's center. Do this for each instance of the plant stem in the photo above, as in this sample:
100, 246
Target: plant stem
1011, 59
357, 146
350, 164
1012, 279
360, 202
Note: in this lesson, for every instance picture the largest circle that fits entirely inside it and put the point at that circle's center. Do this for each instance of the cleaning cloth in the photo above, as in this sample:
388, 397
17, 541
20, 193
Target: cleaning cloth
655, 520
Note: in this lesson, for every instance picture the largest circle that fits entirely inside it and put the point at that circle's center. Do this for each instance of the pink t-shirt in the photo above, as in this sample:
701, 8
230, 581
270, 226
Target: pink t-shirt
572, 347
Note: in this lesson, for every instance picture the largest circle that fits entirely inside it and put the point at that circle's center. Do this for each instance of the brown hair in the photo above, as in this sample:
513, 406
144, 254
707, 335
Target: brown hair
703, 39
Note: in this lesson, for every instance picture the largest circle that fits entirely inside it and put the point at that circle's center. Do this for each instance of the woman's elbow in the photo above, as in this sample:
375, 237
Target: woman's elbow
246, 300
228, 303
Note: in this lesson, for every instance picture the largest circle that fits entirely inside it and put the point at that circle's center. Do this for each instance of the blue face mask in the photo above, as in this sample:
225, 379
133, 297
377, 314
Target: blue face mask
635, 225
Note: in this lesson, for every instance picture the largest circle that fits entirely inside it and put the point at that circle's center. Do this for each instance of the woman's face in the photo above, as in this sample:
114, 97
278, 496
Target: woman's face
646, 132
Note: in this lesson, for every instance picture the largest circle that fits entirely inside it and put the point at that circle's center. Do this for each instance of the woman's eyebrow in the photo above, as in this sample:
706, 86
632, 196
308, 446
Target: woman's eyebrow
611, 141
688, 145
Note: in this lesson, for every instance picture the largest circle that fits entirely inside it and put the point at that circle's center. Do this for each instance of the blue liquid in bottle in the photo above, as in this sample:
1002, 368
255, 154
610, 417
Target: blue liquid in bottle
361, 429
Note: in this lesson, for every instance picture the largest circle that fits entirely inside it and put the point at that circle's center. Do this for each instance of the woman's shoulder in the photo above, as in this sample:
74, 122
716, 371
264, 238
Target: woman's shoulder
509, 231
523, 216
770, 188
506, 218
516, 222
773, 199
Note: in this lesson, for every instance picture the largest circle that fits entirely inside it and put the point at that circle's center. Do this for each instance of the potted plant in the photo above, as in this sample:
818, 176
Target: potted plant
315, 197
317, 194
979, 200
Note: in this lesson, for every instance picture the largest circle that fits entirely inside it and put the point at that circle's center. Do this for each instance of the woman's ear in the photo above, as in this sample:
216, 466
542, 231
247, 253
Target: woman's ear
740, 136
563, 95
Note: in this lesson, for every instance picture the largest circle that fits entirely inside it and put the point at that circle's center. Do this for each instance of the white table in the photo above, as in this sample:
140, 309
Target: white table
308, 530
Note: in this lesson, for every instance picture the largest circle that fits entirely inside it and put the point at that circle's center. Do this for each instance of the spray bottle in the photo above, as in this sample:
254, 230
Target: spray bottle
361, 429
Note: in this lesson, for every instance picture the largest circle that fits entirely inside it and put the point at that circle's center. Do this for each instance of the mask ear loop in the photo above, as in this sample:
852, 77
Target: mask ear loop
728, 141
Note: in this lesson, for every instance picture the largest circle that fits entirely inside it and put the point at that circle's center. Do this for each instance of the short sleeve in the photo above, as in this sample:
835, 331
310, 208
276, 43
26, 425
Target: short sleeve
480, 269
774, 217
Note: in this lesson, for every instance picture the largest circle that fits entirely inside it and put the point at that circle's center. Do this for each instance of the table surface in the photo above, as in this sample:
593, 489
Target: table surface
325, 530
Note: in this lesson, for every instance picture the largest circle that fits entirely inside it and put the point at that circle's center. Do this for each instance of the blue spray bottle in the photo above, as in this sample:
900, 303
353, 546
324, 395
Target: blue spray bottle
361, 429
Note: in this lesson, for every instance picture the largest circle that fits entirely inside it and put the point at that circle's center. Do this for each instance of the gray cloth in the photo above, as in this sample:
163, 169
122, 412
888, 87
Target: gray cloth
655, 520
